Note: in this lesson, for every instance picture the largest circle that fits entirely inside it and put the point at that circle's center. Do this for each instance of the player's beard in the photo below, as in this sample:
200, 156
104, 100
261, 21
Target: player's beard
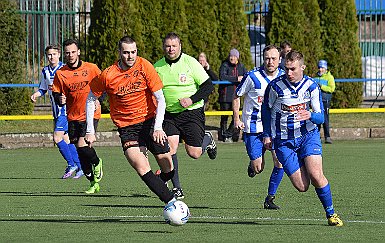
73, 63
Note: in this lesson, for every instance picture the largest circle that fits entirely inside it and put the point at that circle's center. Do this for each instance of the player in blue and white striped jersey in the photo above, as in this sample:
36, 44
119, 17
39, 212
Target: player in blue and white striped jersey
60, 135
291, 110
252, 87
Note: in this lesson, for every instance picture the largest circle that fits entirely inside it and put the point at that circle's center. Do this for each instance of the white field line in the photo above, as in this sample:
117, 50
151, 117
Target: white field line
192, 217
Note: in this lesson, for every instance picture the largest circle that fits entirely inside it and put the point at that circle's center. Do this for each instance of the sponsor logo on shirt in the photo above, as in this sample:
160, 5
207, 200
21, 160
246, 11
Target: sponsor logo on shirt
182, 78
260, 99
129, 88
306, 95
77, 86
293, 108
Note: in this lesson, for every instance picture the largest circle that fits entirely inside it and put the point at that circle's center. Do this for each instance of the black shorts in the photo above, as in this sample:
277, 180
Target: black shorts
189, 124
141, 135
77, 129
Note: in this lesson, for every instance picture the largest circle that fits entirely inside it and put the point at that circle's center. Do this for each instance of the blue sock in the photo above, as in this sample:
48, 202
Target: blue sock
65, 152
275, 180
75, 155
325, 196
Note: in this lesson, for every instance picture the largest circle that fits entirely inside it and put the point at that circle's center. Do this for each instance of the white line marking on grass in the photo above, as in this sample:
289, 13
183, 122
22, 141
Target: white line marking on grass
193, 217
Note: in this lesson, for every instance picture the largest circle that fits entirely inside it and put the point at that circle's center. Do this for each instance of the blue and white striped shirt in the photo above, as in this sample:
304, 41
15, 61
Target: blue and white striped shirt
253, 87
284, 99
47, 76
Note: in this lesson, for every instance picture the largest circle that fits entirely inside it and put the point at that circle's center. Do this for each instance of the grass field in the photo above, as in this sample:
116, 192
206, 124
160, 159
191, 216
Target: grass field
225, 204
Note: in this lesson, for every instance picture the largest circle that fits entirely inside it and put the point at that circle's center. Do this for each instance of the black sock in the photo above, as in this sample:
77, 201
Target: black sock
175, 179
157, 186
85, 163
206, 141
167, 176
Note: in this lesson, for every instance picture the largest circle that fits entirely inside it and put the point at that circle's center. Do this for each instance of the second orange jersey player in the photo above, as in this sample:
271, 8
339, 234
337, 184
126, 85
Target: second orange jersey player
71, 86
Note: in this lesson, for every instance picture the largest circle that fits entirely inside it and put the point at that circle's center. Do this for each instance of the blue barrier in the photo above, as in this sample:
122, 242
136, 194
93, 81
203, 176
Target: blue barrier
18, 85
339, 80
214, 82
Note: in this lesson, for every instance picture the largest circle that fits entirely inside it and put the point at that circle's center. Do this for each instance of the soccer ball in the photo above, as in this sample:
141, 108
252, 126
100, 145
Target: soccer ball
176, 213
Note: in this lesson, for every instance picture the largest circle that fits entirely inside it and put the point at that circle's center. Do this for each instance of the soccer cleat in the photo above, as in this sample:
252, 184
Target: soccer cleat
69, 171
178, 193
98, 171
78, 174
94, 188
334, 220
250, 171
212, 147
328, 140
269, 204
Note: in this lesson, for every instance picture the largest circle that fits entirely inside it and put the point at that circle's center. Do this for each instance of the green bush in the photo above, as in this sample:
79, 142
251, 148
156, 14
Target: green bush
297, 22
211, 26
13, 101
341, 49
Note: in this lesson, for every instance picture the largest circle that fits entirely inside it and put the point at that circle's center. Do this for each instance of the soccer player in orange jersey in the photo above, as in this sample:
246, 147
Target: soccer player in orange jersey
137, 108
71, 86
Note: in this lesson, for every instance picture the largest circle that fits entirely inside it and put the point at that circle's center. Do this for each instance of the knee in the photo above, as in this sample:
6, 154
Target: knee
57, 138
194, 154
302, 188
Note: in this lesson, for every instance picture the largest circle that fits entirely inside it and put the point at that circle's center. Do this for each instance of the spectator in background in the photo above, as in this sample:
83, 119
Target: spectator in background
285, 48
202, 58
60, 133
326, 82
231, 70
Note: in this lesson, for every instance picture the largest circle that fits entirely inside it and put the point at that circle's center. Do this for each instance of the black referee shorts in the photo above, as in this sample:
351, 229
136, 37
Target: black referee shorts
189, 124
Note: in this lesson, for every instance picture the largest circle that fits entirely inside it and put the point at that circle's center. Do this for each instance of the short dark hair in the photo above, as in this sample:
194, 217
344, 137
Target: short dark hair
270, 47
294, 55
52, 46
172, 36
284, 44
125, 39
70, 42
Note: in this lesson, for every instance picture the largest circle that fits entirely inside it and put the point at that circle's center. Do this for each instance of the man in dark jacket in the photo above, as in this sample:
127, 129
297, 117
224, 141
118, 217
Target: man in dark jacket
231, 70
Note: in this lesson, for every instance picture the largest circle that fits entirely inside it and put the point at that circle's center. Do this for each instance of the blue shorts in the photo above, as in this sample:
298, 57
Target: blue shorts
291, 152
254, 145
61, 124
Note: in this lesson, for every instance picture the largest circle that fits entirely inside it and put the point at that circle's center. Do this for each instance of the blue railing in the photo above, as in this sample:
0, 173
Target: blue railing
342, 80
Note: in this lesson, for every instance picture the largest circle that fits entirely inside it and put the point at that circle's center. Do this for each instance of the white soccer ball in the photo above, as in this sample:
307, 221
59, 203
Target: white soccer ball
176, 213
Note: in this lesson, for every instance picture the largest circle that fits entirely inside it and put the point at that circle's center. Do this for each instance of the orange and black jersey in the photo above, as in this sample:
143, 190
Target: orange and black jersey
75, 85
130, 92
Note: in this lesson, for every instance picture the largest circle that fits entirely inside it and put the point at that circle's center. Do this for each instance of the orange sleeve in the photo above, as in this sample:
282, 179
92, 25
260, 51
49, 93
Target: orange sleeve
153, 80
57, 85
98, 85
96, 82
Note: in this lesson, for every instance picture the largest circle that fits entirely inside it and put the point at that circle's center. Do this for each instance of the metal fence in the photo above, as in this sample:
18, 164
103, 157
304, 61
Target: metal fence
371, 34
52, 21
